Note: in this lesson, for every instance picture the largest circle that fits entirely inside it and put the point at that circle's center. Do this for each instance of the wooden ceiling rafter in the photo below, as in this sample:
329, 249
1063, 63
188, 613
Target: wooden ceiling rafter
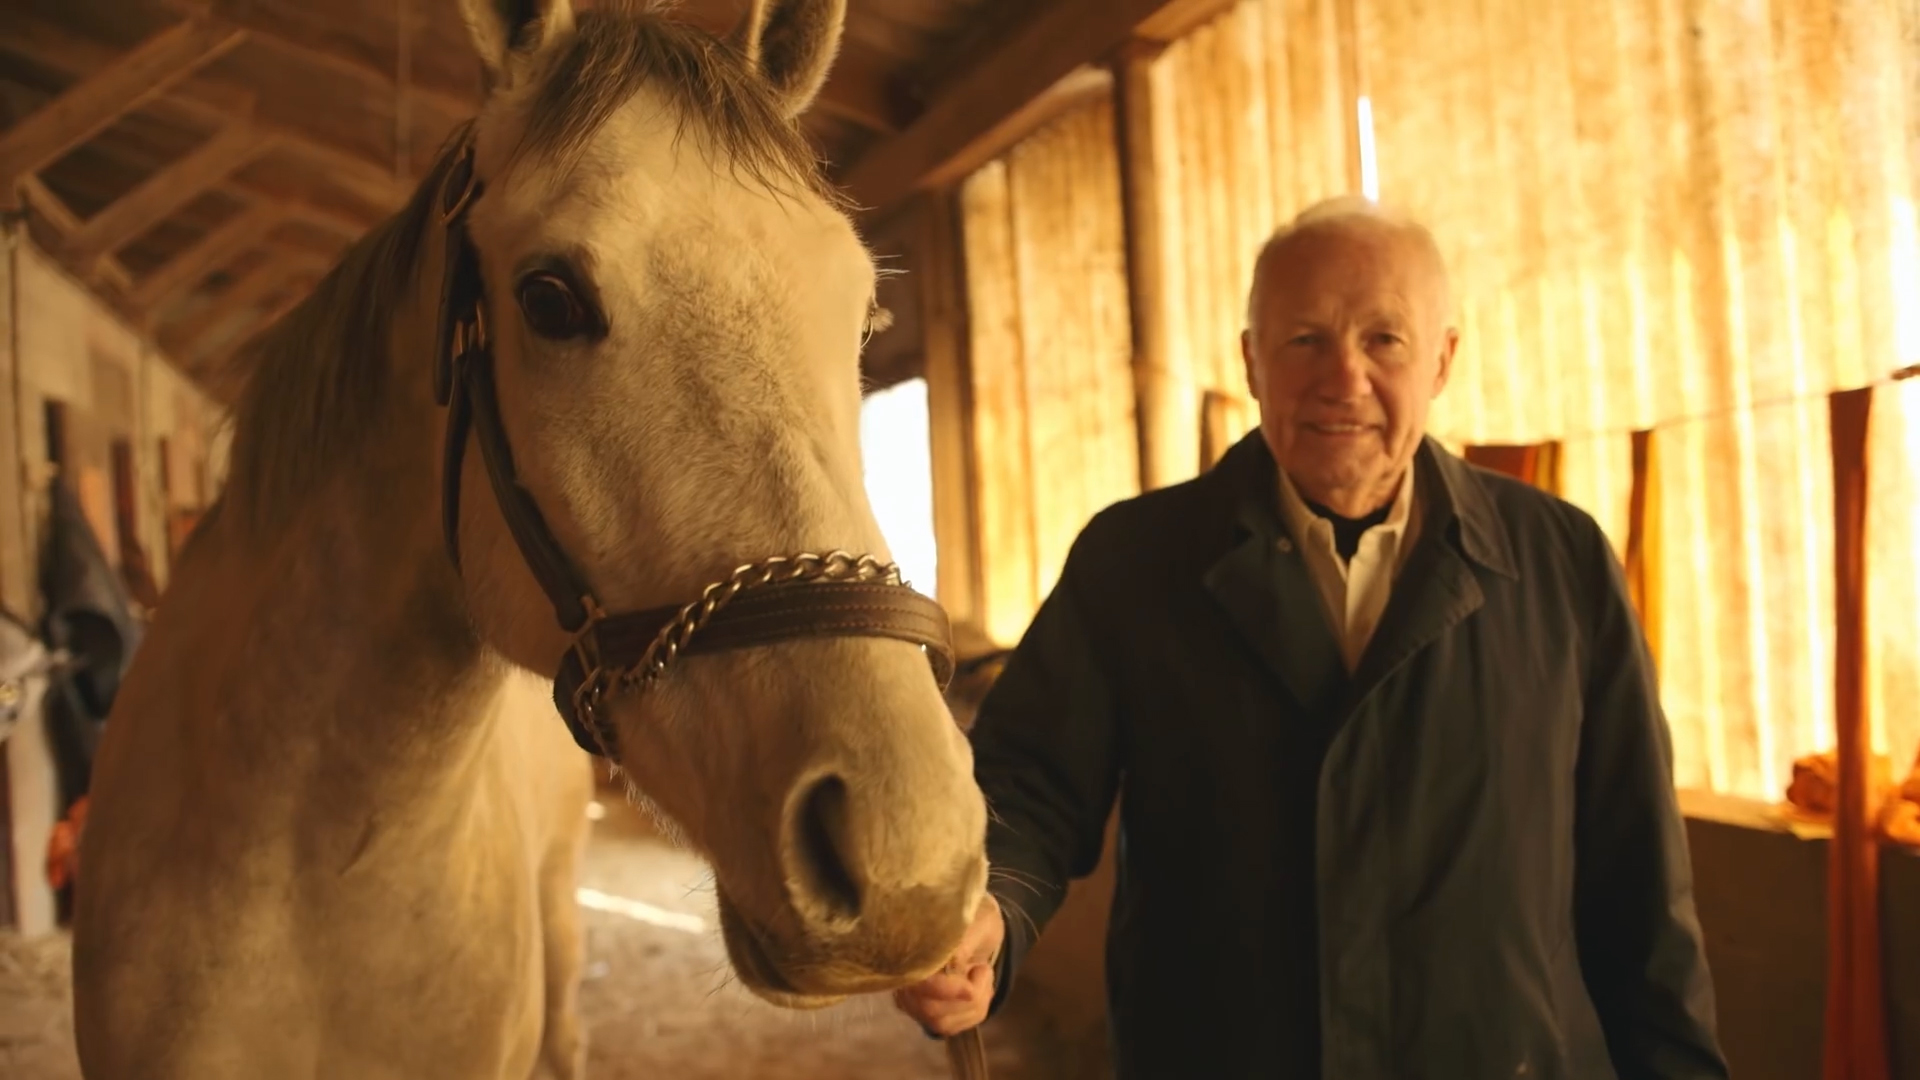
1058, 53
209, 103
64, 223
216, 249
92, 104
164, 192
453, 103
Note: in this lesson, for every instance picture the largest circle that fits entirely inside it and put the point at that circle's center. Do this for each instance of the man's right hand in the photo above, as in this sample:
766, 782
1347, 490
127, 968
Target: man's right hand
956, 999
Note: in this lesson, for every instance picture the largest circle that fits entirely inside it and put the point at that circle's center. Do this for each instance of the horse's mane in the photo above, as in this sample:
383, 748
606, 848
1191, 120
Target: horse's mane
311, 386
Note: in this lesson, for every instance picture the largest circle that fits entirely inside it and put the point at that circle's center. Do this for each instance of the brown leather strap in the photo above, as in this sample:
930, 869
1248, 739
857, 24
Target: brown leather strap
828, 609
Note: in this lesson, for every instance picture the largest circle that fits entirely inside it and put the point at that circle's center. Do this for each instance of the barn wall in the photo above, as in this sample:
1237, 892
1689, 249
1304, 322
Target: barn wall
62, 344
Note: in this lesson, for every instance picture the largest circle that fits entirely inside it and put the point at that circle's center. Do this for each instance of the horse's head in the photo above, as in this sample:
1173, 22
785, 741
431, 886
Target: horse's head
675, 308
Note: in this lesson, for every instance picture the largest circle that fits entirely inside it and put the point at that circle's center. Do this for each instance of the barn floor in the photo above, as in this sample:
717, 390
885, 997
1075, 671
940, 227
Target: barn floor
658, 1000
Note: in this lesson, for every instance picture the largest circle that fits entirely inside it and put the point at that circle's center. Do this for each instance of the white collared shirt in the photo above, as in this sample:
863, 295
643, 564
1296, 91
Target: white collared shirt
1354, 593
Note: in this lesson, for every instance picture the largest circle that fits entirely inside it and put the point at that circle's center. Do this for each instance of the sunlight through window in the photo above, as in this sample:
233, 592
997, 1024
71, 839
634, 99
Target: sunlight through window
1369, 166
899, 476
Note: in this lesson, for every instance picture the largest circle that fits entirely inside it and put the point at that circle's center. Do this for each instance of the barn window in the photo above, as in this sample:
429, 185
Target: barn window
899, 476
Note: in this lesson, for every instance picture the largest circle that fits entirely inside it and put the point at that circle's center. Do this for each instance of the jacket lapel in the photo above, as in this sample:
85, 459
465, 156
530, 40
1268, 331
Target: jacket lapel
1265, 591
1461, 537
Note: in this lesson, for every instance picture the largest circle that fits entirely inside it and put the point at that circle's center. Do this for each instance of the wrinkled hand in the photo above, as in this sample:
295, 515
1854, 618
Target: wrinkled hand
956, 998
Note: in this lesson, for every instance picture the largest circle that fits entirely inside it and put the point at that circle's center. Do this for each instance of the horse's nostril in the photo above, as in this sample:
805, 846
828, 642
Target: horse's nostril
821, 841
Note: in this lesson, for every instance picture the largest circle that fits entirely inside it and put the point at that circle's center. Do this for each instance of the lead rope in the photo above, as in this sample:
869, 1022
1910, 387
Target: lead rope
967, 1055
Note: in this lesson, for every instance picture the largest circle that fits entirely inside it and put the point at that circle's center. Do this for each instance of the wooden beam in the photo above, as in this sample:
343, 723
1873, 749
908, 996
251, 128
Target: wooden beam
182, 339
985, 107
159, 195
297, 42
860, 90
216, 249
65, 222
86, 109
1167, 402
210, 103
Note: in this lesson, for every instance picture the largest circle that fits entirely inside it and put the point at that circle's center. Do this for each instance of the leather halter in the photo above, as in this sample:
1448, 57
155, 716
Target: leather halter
786, 597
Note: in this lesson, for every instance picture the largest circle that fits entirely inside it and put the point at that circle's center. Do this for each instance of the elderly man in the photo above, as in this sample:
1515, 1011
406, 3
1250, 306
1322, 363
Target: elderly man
1394, 781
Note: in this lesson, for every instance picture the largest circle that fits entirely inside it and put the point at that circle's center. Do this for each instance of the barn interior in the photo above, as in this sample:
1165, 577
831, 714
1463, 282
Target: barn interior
1685, 246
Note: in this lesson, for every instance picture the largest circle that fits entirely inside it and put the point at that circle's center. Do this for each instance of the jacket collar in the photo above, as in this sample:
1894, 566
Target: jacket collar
1457, 504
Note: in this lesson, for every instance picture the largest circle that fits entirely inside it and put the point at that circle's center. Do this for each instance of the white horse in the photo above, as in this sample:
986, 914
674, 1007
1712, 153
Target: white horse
334, 824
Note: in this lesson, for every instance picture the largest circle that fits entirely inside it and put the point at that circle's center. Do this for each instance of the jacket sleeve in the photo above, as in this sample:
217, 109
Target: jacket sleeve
1045, 757
1639, 939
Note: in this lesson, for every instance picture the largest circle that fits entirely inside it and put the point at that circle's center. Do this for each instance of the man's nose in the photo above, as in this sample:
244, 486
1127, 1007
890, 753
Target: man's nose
1343, 376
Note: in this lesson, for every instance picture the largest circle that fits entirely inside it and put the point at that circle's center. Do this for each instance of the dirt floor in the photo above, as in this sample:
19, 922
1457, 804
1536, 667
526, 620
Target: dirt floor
658, 1000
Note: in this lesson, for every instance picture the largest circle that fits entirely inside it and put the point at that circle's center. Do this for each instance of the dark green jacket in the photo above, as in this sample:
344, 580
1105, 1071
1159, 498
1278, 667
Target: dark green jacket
1465, 860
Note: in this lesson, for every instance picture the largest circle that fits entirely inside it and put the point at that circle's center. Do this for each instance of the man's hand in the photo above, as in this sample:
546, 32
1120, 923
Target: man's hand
956, 999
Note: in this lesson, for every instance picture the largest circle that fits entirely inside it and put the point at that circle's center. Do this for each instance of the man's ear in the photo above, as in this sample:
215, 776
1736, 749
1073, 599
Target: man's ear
510, 36
1450, 344
1248, 363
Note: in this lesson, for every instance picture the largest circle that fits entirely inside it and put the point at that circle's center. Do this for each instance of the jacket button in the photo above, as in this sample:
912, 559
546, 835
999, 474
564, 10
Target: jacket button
1285, 545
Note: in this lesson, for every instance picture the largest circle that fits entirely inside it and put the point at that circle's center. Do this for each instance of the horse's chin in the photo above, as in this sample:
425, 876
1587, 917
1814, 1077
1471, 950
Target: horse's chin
795, 985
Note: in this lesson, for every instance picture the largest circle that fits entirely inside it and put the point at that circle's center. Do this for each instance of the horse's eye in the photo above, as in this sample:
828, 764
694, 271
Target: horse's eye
551, 308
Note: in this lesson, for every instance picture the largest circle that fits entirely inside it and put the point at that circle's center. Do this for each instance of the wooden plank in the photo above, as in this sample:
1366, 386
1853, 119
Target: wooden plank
1856, 1034
997, 381
65, 222
165, 192
214, 250
943, 320
105, 95
987, 103
208, 103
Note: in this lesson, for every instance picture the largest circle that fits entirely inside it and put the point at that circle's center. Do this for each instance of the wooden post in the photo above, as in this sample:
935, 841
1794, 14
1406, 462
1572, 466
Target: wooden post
1167, 409
1856, 1036
1643, 541
943, 321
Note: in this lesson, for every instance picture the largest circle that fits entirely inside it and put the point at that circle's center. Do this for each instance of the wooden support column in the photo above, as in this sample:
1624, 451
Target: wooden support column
216, 249
166, 191
943, 319
1643, 541
1856, 1034
86, 109
1166, 404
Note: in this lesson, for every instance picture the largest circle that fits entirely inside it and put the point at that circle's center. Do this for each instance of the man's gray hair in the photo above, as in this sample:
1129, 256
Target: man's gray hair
1348, 214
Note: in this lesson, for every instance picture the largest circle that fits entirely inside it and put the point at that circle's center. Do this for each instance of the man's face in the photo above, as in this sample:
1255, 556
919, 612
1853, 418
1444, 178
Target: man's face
1347, 349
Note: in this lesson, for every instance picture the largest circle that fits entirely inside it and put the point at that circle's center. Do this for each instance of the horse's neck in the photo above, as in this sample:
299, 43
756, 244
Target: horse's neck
343, 653
360, 664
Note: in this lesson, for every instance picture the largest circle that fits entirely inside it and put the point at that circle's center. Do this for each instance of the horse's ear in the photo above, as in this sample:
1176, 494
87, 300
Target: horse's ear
792, 44
508, 33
